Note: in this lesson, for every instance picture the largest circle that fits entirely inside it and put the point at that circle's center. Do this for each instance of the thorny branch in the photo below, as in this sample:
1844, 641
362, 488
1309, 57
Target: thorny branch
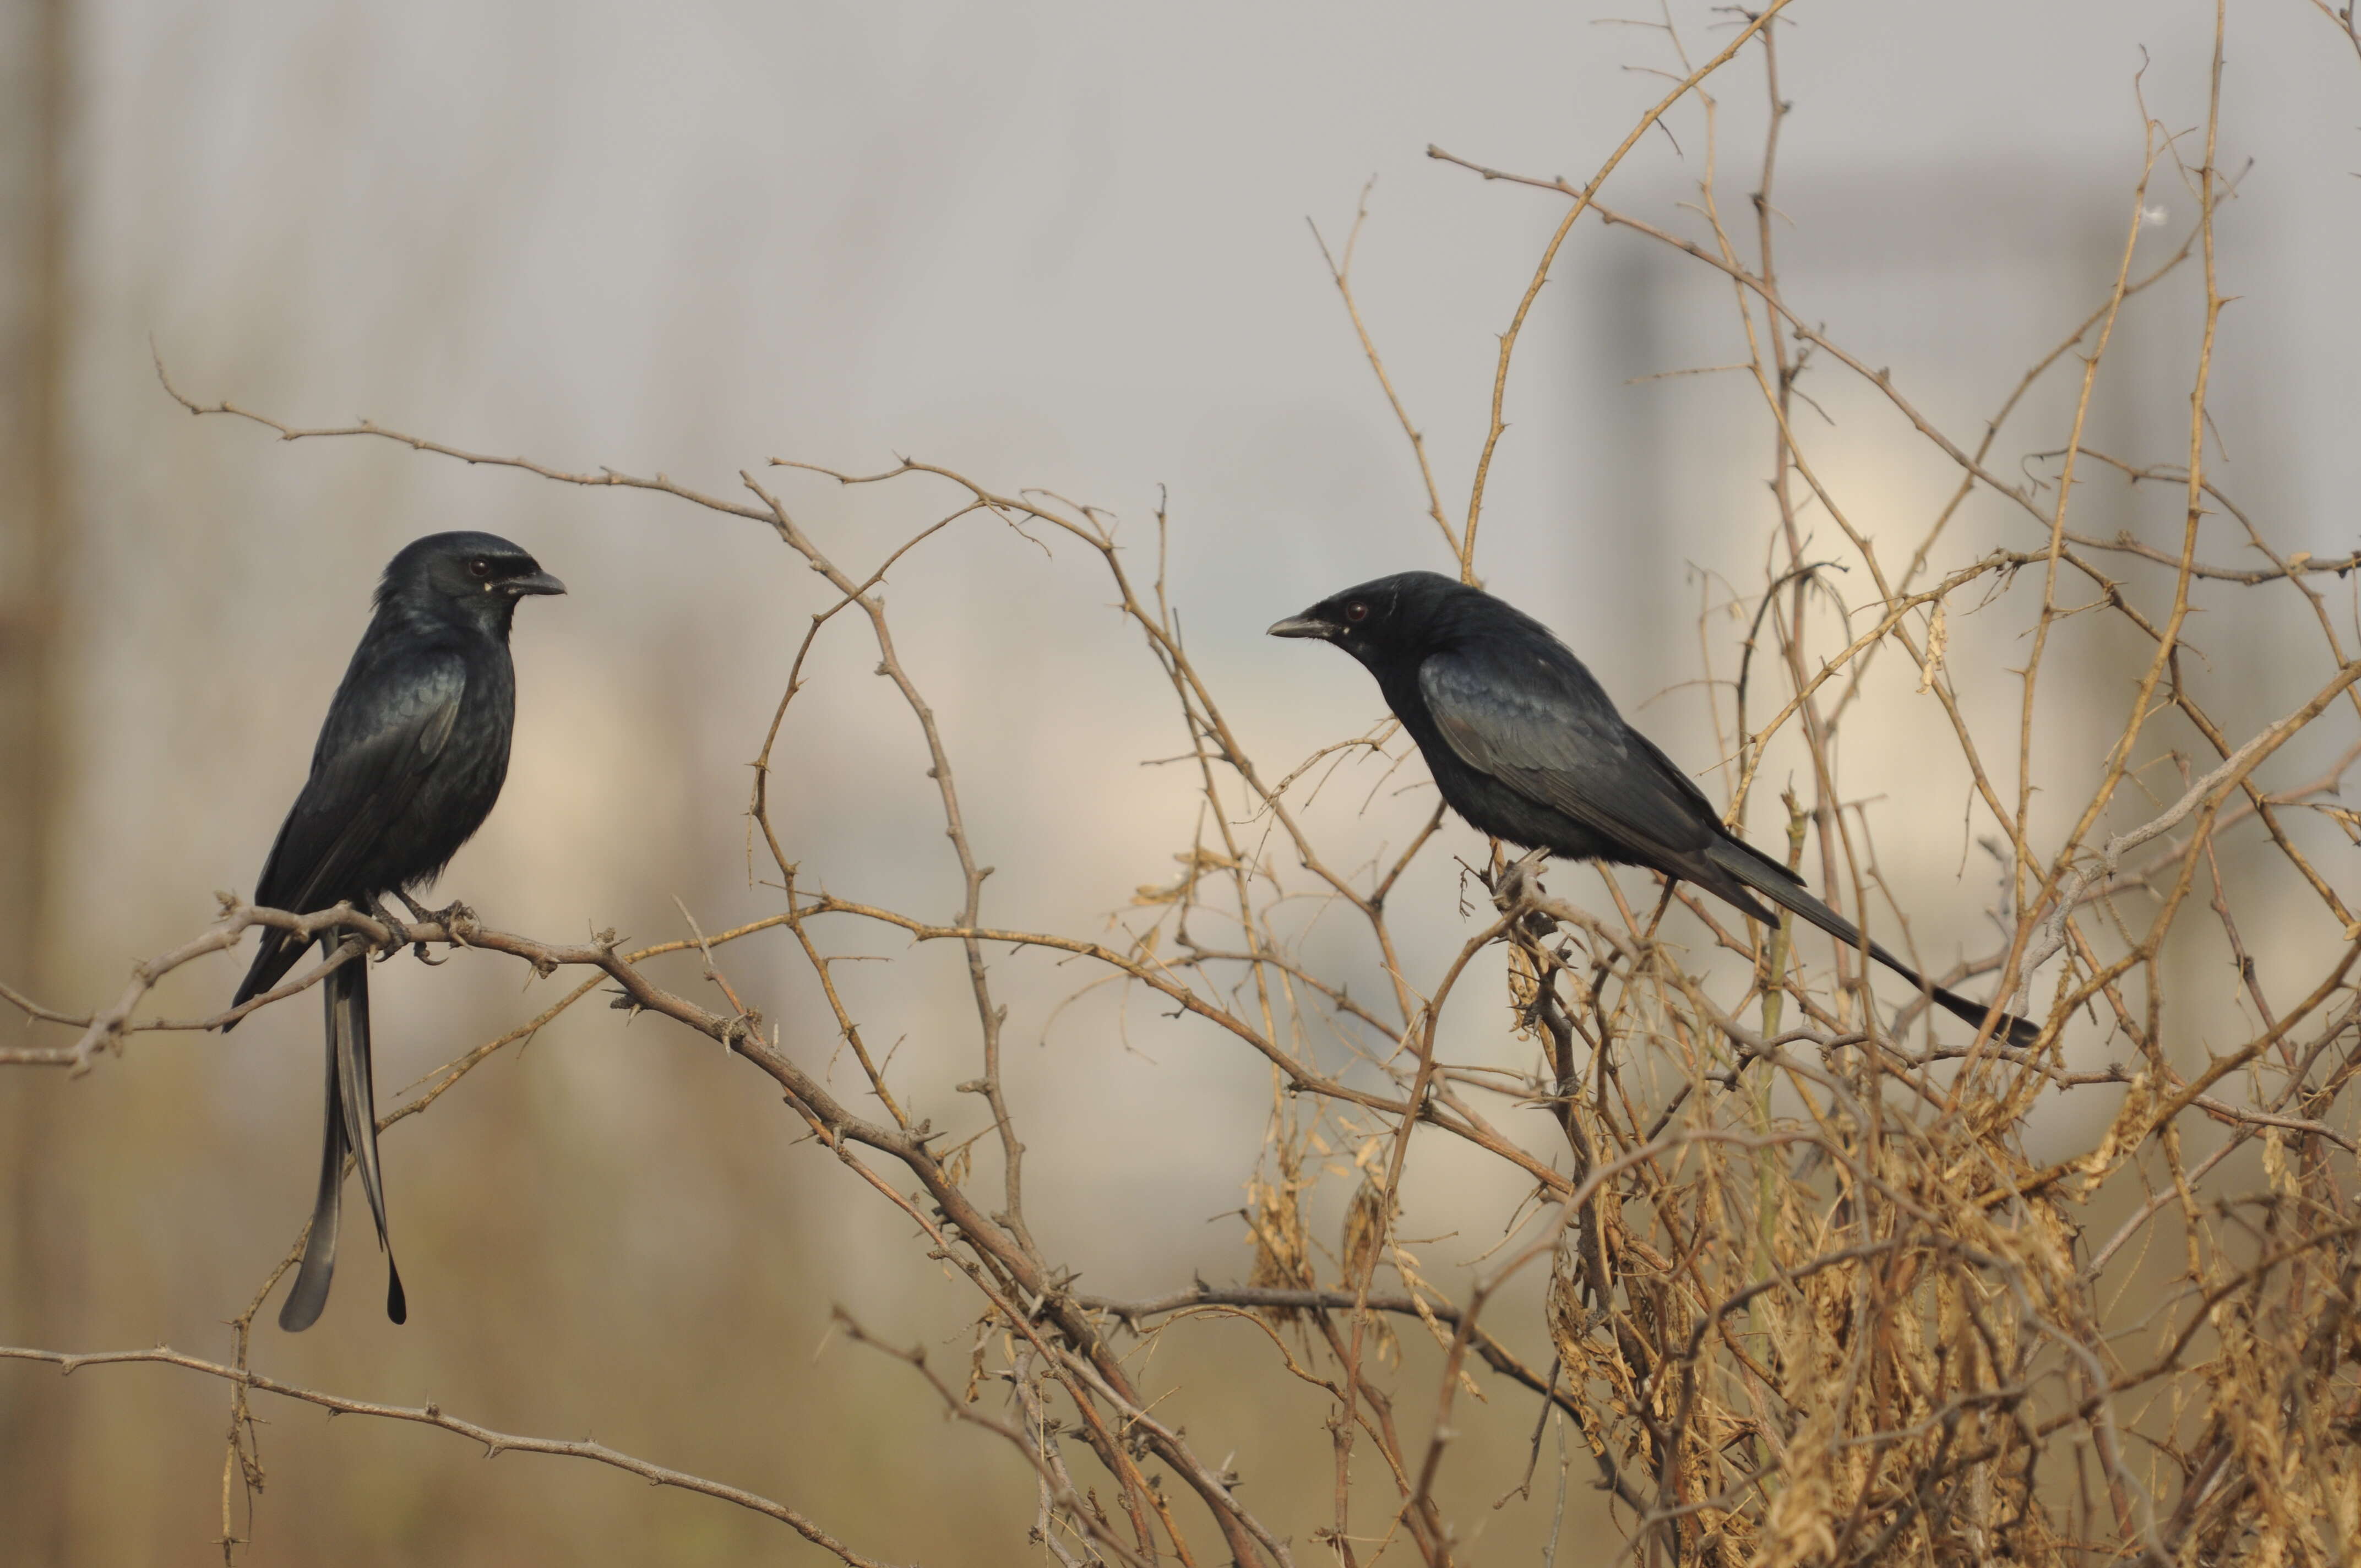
495, 1443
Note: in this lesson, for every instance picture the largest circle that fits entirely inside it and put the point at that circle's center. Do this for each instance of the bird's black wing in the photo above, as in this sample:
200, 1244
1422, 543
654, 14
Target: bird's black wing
1532, 717
1529, 715
380, 741
389, 724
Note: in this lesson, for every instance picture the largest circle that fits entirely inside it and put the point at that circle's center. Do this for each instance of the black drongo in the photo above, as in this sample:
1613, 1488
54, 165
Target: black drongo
1525, 745
408, 765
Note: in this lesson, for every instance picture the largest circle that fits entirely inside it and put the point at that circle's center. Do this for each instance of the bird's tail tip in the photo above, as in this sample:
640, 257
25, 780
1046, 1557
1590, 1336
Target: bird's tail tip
301, 1310
2009, 1028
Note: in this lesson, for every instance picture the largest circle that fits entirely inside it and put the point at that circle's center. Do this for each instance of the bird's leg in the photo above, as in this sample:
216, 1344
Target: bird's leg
1516, 889
1518, 882
376, 910
449, 917
423, 917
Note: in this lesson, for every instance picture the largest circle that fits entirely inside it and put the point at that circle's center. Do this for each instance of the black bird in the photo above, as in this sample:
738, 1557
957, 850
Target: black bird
1524, 744
407, 764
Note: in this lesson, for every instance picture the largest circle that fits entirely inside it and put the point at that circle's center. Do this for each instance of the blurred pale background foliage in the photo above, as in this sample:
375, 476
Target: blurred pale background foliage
1050, 244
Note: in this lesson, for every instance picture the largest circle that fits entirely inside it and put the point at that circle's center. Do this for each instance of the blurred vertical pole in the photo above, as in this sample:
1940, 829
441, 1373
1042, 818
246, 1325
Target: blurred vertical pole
37, 1242
1630, 563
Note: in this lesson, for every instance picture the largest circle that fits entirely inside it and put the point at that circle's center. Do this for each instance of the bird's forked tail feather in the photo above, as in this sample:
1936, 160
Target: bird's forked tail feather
1773, 882
351, 1128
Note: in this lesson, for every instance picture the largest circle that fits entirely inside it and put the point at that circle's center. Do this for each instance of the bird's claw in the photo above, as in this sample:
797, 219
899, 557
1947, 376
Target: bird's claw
451, 917
454, 913
454, 917
394, 940
447, 915
1519, 883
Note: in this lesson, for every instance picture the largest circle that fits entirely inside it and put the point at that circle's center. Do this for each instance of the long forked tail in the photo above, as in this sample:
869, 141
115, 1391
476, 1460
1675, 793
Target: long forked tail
357, 1084
1775, 883
304, 1302
351, 1128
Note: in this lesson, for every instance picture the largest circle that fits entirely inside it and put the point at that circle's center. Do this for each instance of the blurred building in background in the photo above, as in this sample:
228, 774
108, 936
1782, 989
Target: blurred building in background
1956, 278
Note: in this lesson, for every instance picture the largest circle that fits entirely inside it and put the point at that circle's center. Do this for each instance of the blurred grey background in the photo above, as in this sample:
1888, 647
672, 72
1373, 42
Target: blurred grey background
1047, 244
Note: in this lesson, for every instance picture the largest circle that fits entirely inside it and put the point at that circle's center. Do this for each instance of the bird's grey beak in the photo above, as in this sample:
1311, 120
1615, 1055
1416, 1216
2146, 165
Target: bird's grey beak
538, 583
1304, 626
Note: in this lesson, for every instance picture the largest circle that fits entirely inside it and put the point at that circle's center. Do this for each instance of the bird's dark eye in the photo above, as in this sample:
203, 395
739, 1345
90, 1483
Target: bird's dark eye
481, 566
1357, 612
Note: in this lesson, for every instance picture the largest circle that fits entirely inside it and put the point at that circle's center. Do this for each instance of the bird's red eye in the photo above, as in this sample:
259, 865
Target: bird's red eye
480, 568
1357, 612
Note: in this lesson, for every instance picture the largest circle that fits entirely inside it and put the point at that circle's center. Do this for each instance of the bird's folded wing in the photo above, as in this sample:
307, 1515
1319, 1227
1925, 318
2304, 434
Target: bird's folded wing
380, 747
1542, 726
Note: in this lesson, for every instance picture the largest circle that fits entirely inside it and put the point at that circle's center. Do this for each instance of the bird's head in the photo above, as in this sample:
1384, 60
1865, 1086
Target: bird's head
478, 578
1405, 616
